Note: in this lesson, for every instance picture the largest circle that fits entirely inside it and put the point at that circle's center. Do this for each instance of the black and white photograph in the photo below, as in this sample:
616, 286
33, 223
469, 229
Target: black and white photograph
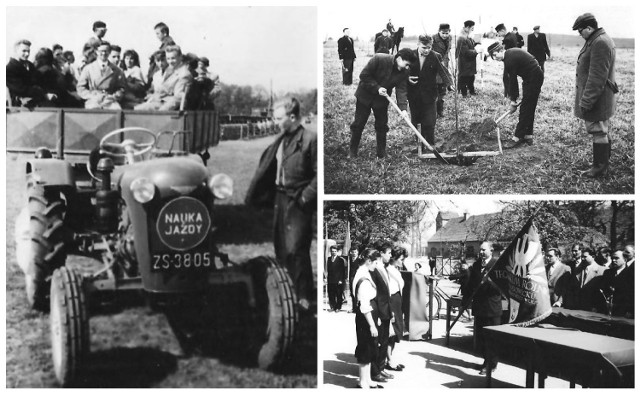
455, 293
478, 98
161, 196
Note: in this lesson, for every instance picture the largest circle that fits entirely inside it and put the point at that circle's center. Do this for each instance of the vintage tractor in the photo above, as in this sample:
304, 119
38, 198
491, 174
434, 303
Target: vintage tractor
146, 214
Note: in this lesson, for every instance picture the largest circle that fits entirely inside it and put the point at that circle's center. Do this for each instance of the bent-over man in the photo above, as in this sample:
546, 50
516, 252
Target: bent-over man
377, 79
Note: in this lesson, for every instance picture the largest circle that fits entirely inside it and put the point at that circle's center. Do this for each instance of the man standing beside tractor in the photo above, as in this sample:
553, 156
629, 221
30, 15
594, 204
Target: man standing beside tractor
287, 177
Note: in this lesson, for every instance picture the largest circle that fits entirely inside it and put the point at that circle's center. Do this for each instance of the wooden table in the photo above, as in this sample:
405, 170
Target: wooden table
589, 358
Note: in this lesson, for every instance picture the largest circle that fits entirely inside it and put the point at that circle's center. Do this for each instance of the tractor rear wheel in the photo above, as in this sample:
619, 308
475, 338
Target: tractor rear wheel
40, 242
273, 320
69, 325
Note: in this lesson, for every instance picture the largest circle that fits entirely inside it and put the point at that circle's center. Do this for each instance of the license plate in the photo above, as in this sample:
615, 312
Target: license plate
181, 261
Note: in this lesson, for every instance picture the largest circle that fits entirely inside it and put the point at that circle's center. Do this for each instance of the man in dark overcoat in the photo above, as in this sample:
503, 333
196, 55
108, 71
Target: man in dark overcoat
520, 63
442, 46
347, 55
466, 55
537, 46
287, 174
383, 43
422, 91
336, 276
382, 73
596, 87
486, 304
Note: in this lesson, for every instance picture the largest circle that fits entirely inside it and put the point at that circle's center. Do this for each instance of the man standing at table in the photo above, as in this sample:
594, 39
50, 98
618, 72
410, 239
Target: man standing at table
486, 304
537, 46
558, 275
347, 56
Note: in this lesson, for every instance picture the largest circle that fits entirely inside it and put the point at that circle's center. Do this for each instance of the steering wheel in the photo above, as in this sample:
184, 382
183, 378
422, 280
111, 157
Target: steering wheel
127, 148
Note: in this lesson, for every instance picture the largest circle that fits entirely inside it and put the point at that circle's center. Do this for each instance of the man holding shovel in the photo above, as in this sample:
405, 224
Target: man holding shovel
520, 63
423, 88
377, 79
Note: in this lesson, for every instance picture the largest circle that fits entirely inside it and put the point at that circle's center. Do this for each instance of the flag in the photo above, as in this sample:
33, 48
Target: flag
520, 274
347, 242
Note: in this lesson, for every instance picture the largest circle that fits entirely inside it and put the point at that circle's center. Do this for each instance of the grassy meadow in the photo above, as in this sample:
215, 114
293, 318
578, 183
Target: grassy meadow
562, 148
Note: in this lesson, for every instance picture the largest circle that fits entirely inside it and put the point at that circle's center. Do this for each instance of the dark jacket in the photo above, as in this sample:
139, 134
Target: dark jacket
383, 297
299, 166
22, 81
426, 90
510, 40
442, 46
466, 55
52, 81
345, 48
381, 71
538, 46
383, 44
621, 286
518, 63
595, 78
336, 270
487, 302
519, 40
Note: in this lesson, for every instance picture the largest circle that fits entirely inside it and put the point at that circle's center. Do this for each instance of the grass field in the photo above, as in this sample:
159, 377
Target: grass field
552, 165
135, 347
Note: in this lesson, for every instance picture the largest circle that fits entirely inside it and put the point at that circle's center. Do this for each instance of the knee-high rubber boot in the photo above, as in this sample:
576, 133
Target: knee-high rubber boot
600, 166
381, 142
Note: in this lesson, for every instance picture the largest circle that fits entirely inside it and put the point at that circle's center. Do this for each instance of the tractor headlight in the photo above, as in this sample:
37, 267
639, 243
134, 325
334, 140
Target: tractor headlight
221, 185
143, 190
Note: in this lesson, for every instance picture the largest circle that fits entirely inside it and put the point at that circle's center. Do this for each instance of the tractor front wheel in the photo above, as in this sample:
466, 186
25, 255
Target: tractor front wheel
69, 325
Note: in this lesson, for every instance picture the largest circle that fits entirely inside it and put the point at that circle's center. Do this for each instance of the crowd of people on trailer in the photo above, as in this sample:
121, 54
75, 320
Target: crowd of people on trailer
596, 280
106, 77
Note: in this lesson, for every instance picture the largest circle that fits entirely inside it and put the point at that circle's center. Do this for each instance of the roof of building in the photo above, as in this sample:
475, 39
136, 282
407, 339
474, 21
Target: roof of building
447, 215
457, 229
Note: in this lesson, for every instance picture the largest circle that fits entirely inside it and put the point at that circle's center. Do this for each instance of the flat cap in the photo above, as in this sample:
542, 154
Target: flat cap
536, 27
204, 61
495, 47
469, 23
444, 26
583, 20
500, 27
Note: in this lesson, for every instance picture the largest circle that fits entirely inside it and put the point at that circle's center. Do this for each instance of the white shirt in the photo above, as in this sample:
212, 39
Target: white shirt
367, 289
396, 283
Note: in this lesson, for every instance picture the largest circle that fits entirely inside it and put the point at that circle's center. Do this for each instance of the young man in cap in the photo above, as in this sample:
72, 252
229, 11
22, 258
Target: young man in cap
90, 47
466, 55
537, 46
383, 43
442, 46
596, 87
377, 79
347, 55
101, 83
422, 91
520, 63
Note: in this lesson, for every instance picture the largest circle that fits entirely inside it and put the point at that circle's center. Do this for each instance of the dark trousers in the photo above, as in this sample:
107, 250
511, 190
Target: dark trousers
347, 71
465, 83
442, 91
377, 366
292, 243
381, 126
530, 93
479, 323
426, 117
335, 296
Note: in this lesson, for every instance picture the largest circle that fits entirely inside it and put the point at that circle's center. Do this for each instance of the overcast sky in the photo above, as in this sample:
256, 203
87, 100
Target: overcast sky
618, 17
246, 45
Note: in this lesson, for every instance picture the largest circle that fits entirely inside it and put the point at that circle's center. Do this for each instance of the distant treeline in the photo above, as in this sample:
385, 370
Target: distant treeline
241, 100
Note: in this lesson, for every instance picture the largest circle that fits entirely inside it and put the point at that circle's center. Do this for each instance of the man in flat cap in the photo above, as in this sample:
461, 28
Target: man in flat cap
378, 78
422, 91
596, 87
466, 55
90, 47
383, 43
520, 63
347, 55
442, 46
537, 46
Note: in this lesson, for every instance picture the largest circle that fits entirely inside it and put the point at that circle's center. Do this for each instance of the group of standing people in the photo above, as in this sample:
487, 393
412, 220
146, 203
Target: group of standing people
377, 287
427, 85
110, 79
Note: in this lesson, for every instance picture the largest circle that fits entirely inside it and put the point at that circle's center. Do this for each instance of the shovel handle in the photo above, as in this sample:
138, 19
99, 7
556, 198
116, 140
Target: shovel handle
506, 113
